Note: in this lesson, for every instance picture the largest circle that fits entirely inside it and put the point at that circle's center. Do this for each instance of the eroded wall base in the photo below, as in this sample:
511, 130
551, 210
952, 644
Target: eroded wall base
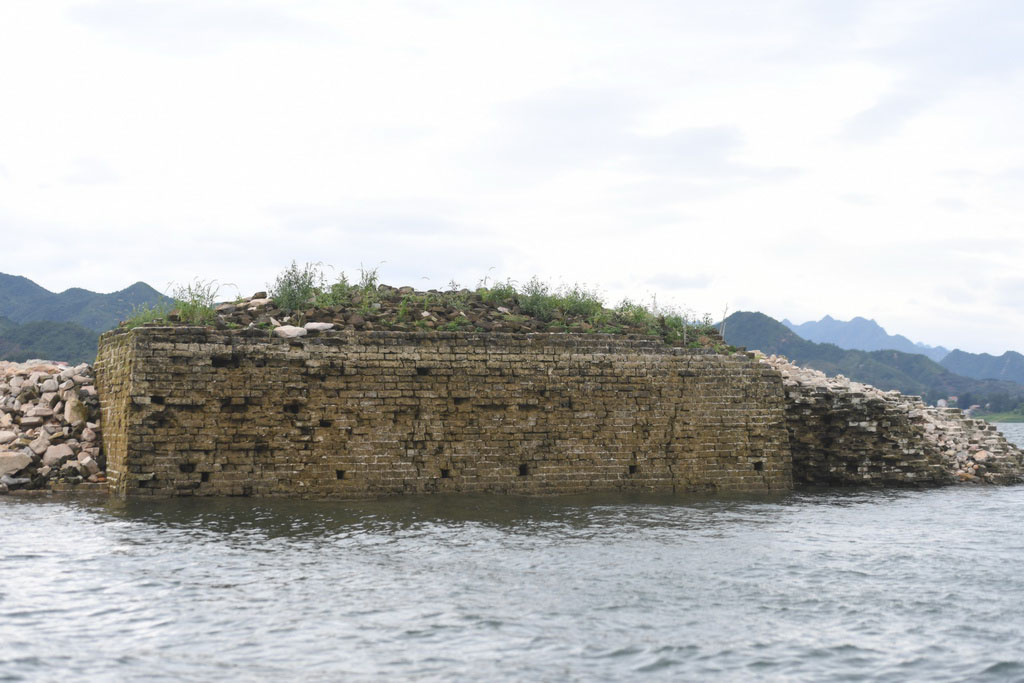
195, 411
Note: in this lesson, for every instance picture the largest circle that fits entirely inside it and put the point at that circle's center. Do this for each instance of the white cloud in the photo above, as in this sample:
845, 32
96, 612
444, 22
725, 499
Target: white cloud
856, 158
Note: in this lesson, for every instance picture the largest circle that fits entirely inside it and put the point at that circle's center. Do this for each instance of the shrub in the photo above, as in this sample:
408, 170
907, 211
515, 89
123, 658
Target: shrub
142, 314
536, 300
500, 294
194, 301
296, 287
339, 294
578, 300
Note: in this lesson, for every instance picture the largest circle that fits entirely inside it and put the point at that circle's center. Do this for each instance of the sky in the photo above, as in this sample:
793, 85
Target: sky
798, 157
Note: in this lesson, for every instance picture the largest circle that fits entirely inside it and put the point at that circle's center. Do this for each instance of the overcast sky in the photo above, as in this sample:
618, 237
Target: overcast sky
793, 157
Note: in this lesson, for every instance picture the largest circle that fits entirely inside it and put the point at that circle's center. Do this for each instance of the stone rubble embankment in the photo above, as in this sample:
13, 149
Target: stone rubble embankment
843, 432
49, 425
387, 308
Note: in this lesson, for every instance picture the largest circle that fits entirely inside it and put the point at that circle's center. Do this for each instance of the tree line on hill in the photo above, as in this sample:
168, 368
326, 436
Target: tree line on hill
38, 323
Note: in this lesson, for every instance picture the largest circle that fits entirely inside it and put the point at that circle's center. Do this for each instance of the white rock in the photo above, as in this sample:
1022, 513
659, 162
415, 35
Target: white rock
40, 411
290, 331
40, 445
7, 437
11, 462
75, 412
318, 327
55, 453
90, 466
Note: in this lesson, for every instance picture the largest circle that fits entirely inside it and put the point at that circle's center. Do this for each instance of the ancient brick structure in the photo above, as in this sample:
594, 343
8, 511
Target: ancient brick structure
197, 411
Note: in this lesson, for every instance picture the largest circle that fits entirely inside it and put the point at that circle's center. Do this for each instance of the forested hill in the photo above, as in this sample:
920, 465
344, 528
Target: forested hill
1009, 366
909, 373
22, 301
37, 323
54, 341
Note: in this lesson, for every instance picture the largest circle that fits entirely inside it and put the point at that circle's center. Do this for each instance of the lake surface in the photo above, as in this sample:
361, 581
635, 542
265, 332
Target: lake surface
863, 585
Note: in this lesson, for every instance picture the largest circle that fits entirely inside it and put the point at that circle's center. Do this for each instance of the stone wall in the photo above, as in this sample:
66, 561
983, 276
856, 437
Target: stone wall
196, 411
846, 433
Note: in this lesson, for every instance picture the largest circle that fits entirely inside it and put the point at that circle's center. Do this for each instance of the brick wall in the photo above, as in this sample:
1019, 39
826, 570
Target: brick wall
195, 411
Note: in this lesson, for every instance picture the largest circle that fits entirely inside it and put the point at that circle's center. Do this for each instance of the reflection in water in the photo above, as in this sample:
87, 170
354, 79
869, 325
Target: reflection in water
897, 584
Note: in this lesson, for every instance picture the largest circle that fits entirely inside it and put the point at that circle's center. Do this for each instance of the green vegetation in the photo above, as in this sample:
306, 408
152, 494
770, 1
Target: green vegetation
50, 340
297, 286
1009, 366
142, 315
192, 304
300, 291
1011, 416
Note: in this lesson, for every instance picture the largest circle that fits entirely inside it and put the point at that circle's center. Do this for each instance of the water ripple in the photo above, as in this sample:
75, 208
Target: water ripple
860, 585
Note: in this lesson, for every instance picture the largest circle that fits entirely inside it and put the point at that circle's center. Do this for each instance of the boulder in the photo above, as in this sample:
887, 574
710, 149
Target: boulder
40, 445
75, 412
290, 331
40, 411
11, 462
318, 327
54, 454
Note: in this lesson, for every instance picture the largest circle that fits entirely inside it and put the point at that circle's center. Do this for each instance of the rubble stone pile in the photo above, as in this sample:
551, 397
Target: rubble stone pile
49, 425
387, 308
846, 433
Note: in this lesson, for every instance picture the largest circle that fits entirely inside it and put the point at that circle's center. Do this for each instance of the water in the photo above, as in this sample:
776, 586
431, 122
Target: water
867, 585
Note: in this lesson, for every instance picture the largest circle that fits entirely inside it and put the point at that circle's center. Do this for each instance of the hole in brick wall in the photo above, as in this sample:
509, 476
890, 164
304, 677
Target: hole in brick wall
292, 408
204, 476
422, 371
852, 467
340, 474
759, 466
325, 423
230, 361
158, 400
524, 470
187, 467
459, 400
446, 474
632, 469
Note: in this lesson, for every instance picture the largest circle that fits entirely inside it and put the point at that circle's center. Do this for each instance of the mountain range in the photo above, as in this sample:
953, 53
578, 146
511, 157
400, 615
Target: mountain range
38, 323
910, 373
862, 334
867, 335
